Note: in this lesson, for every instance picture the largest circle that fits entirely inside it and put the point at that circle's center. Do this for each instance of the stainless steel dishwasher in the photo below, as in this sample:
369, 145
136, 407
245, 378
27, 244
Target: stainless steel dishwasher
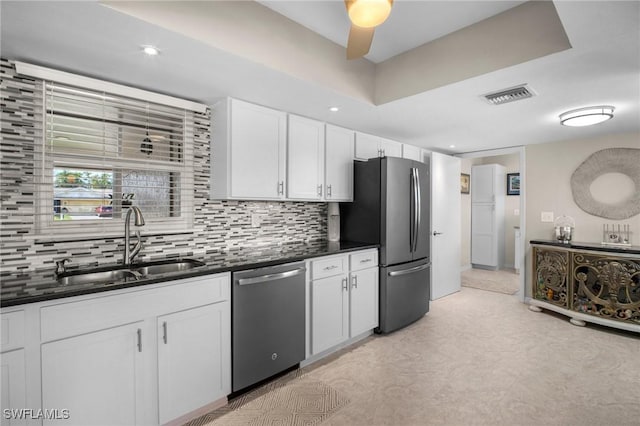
268, 322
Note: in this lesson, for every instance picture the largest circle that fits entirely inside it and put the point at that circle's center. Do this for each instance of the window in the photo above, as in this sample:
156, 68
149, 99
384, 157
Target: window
103, 153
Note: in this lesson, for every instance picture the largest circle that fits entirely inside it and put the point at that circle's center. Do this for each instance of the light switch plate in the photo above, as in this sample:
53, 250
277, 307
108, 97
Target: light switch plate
516, 212
256, 220
546, 216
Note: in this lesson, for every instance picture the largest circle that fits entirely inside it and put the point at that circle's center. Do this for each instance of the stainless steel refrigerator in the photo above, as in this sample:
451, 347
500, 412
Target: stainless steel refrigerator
391, 208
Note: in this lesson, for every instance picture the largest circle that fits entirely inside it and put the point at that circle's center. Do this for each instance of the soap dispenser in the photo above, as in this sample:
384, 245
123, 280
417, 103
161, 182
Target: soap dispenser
333, 222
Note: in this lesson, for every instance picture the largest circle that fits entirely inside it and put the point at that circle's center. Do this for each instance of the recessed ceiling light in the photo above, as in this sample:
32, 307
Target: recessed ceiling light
334, 109
150, 50
452, 146
586, 116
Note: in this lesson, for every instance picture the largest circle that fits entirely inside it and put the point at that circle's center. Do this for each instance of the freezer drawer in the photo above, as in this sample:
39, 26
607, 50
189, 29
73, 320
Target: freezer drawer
404, 294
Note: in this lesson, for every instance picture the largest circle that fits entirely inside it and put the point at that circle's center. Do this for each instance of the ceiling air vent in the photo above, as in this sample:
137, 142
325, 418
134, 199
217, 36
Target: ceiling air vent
509, 95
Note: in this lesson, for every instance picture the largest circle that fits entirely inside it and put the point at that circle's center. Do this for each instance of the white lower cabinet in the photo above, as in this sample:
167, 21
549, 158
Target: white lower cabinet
14, 388
192, 358
330, 312
343, 298
98, 377
146, 355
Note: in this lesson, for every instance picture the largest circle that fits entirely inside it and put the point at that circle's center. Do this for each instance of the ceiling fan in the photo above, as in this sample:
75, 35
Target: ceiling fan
365, 16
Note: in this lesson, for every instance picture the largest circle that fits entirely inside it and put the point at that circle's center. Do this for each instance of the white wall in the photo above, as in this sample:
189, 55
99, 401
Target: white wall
549, 168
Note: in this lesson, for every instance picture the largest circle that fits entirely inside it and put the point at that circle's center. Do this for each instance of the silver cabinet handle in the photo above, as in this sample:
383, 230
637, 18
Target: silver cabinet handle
410, 270
384, 152
436, 233
329, 268
139, 340
164, 332
354, 281
281, 188
366, 260
271, 277
328, 190
320, 190
345, 284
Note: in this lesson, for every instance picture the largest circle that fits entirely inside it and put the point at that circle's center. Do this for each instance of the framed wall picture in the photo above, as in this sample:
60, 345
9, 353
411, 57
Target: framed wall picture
465, 183
513, 183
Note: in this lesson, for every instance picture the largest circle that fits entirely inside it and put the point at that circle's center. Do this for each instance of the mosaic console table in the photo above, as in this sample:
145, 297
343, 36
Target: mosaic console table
588, 283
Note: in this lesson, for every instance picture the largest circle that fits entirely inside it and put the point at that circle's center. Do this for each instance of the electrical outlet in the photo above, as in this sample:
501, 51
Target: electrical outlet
256, 220
546, 216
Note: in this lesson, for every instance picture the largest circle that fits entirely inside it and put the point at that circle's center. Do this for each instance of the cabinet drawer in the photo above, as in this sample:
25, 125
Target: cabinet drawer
329, 266
362, 260
72, 318
12, 330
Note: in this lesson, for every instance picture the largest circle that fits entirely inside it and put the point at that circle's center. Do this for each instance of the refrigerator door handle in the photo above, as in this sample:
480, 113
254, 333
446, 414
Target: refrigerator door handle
410, 270
412, 217
418, 209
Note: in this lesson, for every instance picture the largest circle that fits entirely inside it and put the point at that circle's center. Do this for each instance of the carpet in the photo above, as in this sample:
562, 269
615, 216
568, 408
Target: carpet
288, 401
505, 282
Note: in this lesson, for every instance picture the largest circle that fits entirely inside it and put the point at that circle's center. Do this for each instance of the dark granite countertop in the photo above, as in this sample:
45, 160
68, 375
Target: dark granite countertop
29, 287
589, 246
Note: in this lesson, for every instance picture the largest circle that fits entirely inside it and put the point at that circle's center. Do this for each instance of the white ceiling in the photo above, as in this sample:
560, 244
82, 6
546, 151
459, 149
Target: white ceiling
602, 67
410, 24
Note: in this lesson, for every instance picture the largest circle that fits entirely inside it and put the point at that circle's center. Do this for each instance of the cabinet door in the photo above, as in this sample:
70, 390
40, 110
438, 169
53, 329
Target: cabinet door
329, 312
97, 376
194, 353
390, 148
258, 147
14, 390
483, 184
483, 235
338, 164
411, 152
363, 301
305, 159
367, 146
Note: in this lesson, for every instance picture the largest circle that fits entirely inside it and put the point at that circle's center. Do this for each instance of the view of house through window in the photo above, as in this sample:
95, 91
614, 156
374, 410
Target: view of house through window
108, 153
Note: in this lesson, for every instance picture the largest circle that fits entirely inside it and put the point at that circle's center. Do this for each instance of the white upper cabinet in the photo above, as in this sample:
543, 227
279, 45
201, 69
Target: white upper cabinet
338, 178
305, 159
390, 148
483, 183
367, 146
248, 153
370, 146
411, 152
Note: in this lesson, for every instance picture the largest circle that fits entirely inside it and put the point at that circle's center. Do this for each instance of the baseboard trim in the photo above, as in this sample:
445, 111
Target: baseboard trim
198, 413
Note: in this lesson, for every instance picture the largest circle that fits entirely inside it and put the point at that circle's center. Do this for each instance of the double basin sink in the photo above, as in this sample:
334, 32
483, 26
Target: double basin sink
127, 273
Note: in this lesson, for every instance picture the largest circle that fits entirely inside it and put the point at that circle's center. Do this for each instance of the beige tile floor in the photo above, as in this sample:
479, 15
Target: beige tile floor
482, 358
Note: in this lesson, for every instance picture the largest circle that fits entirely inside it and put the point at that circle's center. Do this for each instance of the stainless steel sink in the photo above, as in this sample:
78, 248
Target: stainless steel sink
99, 277
166, 267
132, 273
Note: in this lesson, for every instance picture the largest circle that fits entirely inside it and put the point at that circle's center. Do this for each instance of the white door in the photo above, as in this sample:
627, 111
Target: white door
338, 164
363, 301
305, 159
445, 225
483, 235
483, 184
96, 376
367, 146
329, 312
193, 359
258, 145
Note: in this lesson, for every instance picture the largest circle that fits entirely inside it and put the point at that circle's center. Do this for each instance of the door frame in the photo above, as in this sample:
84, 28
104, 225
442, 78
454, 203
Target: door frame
520, 150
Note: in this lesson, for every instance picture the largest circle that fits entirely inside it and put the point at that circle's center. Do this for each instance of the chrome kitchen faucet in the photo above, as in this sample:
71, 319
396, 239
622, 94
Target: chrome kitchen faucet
129, 253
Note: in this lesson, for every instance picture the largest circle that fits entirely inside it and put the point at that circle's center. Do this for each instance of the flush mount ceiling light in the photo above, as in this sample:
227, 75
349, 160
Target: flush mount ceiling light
150, 50
586, 116
334, 109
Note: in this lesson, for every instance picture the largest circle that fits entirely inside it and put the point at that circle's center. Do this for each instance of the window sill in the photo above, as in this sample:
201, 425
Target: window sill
70, 238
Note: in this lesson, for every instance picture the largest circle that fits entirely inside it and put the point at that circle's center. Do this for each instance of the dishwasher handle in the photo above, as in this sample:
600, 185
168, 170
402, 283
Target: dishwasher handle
271, 277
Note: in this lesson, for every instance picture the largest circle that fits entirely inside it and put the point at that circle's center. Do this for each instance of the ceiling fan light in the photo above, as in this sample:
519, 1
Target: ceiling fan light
369, 13
586, 116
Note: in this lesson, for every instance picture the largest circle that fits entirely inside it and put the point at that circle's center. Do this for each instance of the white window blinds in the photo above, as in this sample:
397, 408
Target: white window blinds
103, 153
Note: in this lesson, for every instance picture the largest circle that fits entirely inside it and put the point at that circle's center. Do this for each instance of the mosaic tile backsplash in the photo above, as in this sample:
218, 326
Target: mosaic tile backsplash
218, 225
